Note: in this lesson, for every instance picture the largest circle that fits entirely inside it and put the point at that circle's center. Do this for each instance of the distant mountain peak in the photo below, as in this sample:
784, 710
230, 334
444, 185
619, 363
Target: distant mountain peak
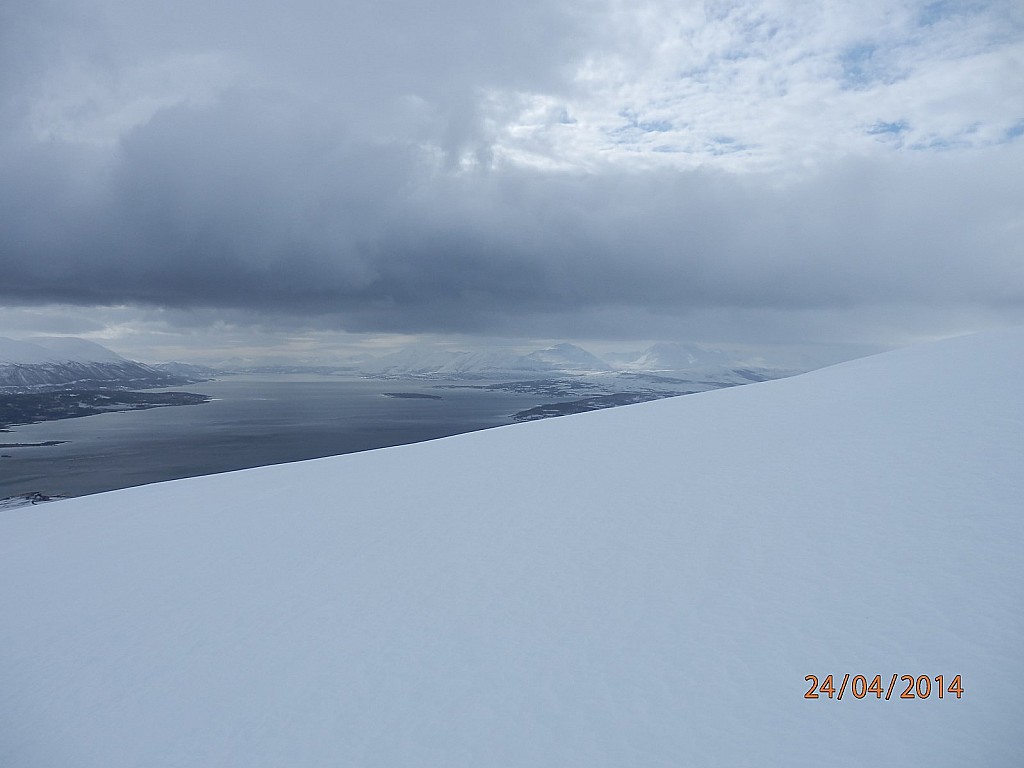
681, 356
431, 361
76, 349
570, 357
65, 361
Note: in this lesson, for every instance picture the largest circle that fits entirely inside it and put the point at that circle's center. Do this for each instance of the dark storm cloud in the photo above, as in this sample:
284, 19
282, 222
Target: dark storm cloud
344, 179
223, 206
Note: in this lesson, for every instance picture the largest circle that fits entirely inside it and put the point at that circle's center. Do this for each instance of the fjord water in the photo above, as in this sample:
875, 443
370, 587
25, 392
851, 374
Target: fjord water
252, 421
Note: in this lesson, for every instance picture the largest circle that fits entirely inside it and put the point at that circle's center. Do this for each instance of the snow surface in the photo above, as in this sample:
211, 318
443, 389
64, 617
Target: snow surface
641, 586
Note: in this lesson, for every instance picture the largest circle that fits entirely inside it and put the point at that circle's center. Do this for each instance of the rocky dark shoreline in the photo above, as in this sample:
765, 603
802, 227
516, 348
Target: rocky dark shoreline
594, 403
33, 407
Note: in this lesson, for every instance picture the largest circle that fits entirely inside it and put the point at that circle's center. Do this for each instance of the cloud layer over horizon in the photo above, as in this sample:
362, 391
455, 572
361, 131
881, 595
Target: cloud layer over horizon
766, 169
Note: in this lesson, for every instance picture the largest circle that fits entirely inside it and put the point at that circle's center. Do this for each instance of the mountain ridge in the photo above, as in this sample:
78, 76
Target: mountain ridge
69, 362
39, 362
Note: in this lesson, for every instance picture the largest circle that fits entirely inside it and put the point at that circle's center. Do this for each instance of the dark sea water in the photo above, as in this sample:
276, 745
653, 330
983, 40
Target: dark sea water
253, 421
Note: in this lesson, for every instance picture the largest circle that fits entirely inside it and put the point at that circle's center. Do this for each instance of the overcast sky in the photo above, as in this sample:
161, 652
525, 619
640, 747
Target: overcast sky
182, 179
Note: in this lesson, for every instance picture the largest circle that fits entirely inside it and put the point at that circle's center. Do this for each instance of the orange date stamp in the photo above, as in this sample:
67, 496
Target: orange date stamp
859, 686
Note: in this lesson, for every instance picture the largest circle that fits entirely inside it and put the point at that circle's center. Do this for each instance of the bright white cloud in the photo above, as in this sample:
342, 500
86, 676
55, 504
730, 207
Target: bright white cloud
774, 85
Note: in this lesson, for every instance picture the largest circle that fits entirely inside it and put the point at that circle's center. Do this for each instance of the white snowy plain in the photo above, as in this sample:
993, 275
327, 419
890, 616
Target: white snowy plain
642, 586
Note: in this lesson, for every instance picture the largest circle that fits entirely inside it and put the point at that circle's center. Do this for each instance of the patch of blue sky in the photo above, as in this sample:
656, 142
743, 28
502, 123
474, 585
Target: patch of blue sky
859, 66
997, 22
631, 118
1015, 130
867, 64
624, 135
940, 10
736, 54
634, 127
977, 135
761, 29
726, 145
700, 75
940, 144
623, 132
655, 126
881, 128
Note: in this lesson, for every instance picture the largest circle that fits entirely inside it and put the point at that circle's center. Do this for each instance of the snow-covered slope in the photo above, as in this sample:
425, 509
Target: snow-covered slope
642, 586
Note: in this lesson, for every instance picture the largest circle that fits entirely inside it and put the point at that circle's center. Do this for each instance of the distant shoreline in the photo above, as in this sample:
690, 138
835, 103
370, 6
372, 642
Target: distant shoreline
33, 445
23, 408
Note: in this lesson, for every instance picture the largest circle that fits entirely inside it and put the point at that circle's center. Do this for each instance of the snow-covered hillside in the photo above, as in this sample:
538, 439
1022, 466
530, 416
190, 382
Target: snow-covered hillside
641, 586
42, 363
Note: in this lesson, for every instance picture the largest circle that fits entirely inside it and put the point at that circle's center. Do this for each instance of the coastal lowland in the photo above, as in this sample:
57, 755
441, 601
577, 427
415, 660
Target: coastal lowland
31, 407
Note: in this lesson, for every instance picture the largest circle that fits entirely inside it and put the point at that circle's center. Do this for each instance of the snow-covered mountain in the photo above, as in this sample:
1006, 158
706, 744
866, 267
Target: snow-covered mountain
73, 349
569, 357
689, 360
13, 352
188, 370
432, 361
425, 361
696, 362
42, 363
652, 585
692, 364
668, 356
